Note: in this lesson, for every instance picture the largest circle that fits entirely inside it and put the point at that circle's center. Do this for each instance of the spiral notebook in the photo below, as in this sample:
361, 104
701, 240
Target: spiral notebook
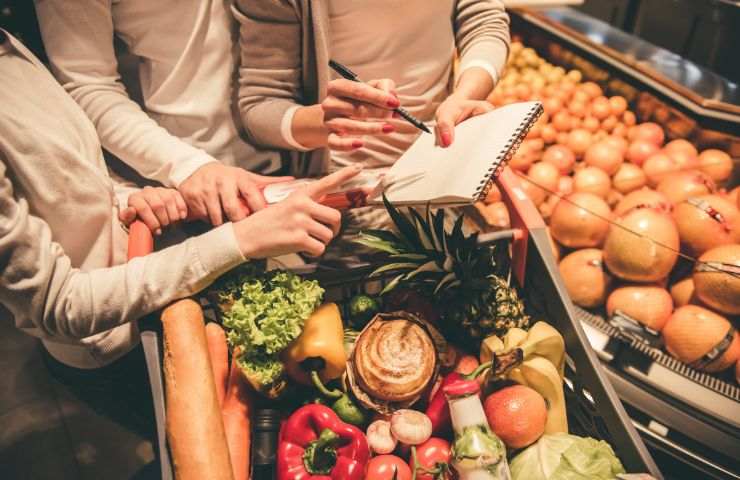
460, 174
463, 172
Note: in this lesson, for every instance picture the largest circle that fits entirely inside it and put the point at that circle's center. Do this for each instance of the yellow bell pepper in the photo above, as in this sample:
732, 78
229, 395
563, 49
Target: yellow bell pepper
320, 347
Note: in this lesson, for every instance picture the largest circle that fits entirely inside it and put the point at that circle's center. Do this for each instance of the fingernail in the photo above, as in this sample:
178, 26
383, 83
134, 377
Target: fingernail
388, 128
446, 139
357, 144
158, 231
394, 103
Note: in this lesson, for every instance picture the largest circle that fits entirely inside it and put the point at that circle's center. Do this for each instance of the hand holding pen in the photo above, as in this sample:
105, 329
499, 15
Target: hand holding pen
353, 110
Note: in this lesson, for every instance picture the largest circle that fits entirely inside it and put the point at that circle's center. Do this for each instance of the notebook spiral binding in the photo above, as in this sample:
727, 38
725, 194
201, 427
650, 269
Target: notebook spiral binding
512, 146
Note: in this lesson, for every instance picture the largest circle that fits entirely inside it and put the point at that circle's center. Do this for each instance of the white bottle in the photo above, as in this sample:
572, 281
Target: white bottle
477, 453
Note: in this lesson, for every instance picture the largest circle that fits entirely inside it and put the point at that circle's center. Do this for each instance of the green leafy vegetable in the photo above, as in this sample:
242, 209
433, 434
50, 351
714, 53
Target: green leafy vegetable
264, 312
562, 456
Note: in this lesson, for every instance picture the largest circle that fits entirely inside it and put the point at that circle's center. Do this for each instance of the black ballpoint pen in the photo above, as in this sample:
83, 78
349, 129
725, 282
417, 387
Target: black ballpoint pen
350, 75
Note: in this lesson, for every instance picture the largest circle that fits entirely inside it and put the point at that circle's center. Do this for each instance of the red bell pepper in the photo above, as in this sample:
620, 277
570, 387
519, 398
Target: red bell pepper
438, 410
316, 445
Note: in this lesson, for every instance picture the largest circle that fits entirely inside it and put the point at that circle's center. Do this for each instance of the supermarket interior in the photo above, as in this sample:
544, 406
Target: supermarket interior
558, 299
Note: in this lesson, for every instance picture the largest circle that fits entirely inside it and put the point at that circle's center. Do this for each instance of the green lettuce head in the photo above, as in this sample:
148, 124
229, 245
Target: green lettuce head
561, 456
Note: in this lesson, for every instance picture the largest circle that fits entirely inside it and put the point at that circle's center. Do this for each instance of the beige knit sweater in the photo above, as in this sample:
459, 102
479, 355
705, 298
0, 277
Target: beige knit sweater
285, 49
63, 275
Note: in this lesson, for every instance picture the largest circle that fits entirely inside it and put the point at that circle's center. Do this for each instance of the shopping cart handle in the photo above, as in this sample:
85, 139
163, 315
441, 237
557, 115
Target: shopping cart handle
524, 218
140, 240
140, 243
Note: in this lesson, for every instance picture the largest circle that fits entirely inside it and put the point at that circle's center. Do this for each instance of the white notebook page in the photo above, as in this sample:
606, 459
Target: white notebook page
455, 174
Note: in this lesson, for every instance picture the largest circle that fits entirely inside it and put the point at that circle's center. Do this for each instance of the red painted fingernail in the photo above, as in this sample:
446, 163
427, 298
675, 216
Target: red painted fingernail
394, 103
388, 128
446, 139
357, 144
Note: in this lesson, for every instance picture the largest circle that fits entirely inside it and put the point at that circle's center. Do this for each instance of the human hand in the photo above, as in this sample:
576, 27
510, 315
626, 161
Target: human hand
354, 109
216, 188
157, 207
297, 224
453, 111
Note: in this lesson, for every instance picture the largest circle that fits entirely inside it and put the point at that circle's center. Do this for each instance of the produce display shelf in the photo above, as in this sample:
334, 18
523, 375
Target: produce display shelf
688, 84
688, 409
593, 406
690, 416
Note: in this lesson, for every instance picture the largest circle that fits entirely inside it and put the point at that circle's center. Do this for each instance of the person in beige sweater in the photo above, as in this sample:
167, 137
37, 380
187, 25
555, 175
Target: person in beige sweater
64, 277
290, 99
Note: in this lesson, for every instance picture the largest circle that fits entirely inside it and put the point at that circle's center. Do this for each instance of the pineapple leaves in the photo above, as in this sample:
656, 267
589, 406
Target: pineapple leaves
423, 231
405, 227
427, 267
375, 243
391, 285
393, 267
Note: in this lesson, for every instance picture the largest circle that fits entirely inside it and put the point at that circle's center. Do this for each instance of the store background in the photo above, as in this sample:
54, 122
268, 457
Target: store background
45, 433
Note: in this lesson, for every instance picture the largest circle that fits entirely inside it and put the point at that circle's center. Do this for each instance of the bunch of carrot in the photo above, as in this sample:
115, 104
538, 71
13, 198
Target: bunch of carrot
235, 397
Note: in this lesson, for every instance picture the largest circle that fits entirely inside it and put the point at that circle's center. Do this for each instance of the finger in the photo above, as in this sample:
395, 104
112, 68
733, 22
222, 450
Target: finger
170, 200
213, 206
228, 192
346, 126
145, 213
320, 232
182, 207
385, 84
363, 92
330, 217
445, 126
341, 107
127, 215
265, 180
320, 188
252, 195
157, 204
343, 144
313, 247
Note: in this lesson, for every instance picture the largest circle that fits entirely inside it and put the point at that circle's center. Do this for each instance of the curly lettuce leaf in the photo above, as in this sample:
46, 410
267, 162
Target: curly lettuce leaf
263, 313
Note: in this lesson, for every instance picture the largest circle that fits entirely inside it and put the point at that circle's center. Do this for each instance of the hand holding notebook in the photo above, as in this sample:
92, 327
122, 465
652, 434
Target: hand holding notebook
427, 174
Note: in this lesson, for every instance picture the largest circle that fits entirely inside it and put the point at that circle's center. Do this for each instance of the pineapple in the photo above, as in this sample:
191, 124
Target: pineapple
450, 268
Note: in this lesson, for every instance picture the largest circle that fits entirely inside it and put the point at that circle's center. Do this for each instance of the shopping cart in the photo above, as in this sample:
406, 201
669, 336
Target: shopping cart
593, 406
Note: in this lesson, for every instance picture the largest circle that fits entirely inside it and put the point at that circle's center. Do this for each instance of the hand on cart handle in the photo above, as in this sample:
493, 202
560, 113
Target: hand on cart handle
299, 223
156, 207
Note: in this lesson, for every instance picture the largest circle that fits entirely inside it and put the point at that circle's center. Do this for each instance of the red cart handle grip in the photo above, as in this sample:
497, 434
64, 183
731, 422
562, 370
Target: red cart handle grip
140, 240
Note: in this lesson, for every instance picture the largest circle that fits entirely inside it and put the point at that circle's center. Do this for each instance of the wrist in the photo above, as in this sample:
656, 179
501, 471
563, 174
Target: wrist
245, 241
308, 127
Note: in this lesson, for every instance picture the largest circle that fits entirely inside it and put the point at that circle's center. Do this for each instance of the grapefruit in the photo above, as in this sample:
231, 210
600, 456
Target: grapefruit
642, 246
585, 278
578, 220
717, 278
693, 331
650, 305
517, 415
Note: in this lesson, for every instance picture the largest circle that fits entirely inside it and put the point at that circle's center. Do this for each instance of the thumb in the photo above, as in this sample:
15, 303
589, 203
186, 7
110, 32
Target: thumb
320, 188
127, 215
445, 128
264, 180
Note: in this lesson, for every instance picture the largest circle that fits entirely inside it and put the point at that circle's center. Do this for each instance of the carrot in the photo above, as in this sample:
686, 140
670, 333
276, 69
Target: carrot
219, 354
237, 413
140, 240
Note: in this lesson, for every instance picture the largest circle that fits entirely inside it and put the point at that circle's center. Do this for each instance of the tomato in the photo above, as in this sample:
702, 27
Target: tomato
434, 454
383, 467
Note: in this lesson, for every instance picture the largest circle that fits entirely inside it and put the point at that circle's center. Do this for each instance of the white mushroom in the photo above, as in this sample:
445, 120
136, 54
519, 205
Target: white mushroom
379, 437
411, 427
